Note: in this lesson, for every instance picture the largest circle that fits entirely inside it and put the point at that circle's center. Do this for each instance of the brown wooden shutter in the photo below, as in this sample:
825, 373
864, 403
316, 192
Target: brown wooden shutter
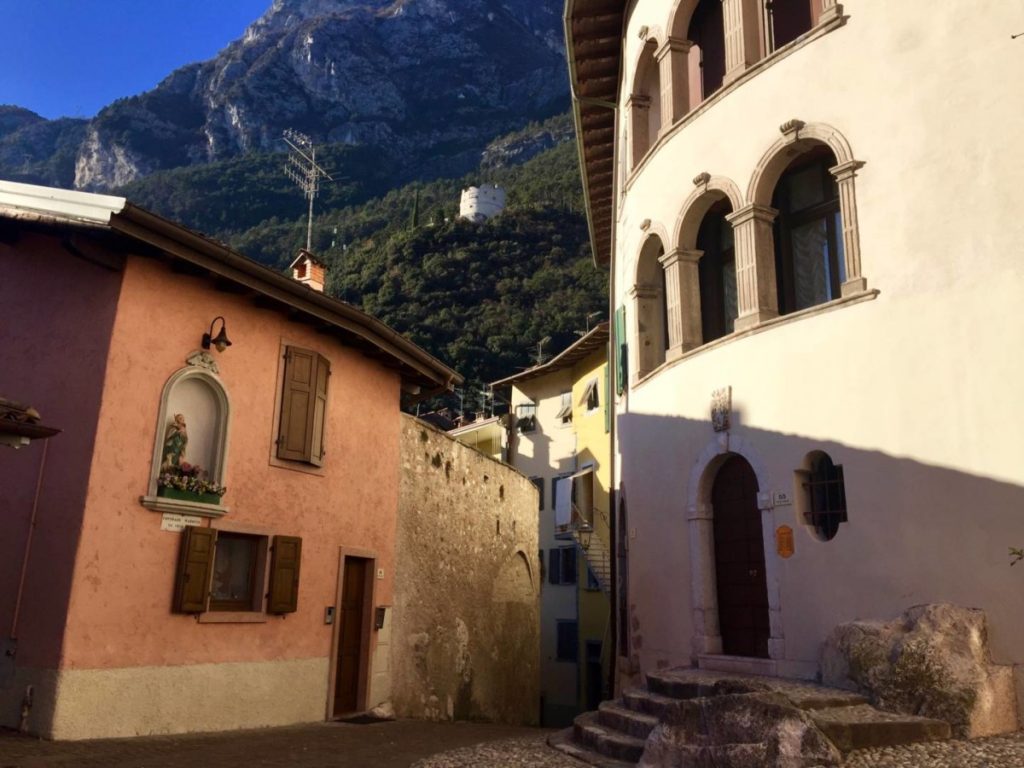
303, 406
285, 560
192, 582
319, 412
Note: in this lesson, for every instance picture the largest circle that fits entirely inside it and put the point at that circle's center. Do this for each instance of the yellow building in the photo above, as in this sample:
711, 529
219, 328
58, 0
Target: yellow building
559, 437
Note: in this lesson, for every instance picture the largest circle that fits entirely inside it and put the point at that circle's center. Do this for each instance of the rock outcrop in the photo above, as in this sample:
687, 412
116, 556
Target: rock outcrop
414, 78
933, 661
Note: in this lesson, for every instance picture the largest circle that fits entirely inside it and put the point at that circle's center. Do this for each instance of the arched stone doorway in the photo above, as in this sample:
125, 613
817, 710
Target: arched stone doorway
740, 577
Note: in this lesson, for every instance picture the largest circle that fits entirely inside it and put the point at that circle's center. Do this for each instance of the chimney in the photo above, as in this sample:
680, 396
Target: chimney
308, 270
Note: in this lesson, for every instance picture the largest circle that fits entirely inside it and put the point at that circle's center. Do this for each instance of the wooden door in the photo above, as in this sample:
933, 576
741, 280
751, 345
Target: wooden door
350, 636
739, 561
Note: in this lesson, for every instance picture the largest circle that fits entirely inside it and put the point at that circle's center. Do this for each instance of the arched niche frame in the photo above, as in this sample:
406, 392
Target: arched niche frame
648, 294
197, 393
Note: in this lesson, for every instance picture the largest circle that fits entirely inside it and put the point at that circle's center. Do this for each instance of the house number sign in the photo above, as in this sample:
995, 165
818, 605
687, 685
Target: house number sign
784, 543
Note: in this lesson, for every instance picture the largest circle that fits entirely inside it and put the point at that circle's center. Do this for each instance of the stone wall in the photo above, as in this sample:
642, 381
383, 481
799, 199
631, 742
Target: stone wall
465, 628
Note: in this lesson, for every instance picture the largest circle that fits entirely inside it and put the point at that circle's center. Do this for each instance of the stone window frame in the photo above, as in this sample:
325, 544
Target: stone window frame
218, 472
752, 219
644, 104
746, 56
653, 309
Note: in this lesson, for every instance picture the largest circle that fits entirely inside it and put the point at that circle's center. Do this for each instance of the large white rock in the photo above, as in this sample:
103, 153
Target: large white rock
933, 661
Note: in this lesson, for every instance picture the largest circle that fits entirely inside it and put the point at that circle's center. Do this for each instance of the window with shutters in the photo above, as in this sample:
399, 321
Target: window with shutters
302, 413
562, 565
237, 574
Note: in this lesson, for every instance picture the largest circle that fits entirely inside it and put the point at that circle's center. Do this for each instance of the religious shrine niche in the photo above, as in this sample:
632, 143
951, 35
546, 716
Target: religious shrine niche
190, 454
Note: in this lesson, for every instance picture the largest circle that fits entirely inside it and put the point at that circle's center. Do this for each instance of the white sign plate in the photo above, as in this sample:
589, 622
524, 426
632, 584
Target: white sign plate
782, 499
175, 523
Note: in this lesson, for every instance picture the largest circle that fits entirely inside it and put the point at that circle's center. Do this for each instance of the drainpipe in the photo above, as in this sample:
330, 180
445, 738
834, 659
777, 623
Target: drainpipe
28, 548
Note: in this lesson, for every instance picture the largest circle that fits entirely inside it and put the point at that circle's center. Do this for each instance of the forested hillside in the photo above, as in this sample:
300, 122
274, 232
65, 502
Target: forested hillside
478, 296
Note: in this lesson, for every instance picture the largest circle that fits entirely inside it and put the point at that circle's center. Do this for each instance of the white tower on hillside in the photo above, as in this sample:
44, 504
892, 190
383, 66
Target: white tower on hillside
479, 204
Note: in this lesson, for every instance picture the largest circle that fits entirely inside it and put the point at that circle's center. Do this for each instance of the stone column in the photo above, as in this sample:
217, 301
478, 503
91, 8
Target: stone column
707, 636
830, 9
673, 58
646, 310
844, 174
743, 23
682, 300
755, 264
776, 637
638, 107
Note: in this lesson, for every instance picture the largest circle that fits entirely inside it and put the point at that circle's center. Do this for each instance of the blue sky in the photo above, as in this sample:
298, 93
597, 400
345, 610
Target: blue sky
72, 57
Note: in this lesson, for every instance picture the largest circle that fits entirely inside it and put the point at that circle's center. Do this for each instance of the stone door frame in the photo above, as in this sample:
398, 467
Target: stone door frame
707, 636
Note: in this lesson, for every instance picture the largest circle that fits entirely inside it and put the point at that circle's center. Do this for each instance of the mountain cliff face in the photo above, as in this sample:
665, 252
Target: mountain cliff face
420, 80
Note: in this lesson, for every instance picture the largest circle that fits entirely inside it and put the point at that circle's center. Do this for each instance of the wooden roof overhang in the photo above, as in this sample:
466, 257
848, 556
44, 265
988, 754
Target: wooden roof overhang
596, 339
593, 39
104, 229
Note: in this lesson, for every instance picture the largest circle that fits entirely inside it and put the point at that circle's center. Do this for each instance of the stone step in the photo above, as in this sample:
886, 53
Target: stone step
590, 733
564, 742
693, 683
648, 703
862, 726
616, 715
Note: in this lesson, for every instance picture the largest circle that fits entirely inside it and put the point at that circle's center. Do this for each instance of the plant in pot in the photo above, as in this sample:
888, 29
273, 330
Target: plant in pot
189, 482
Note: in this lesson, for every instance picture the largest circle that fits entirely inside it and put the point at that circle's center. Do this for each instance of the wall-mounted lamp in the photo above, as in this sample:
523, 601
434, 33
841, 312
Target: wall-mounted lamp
585, 534
221, 340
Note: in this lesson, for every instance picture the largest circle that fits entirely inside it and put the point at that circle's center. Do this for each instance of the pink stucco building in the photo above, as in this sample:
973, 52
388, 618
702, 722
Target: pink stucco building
125, 607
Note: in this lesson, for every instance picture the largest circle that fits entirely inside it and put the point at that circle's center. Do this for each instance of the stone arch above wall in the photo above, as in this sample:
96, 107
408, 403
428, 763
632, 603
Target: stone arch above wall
709, 190
797, 138
715, 453
679, 17
515, 582
653, 230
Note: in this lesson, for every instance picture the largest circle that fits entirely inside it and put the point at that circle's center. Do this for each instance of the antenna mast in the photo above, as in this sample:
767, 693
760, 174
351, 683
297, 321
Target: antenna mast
302, 168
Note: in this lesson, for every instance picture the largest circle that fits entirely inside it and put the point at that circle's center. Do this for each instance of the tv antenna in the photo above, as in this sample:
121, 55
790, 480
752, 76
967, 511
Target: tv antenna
302, 168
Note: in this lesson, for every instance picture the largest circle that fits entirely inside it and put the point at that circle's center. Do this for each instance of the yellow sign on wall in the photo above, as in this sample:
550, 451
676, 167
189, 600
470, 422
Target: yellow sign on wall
784, 542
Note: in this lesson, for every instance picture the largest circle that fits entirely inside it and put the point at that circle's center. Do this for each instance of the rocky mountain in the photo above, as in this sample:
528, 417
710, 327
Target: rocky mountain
425, 83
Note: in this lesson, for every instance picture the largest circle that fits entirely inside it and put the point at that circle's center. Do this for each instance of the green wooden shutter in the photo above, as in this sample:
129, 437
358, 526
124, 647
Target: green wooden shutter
621, 351
294, 440
192, 581
607, 398
285, 561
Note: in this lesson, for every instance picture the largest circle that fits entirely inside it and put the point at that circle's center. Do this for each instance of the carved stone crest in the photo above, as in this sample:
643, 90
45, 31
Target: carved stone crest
721, 408
203, 359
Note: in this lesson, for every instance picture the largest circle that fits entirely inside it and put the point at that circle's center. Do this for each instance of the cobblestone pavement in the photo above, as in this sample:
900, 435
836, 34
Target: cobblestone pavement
323, 745
525, 752
993, 752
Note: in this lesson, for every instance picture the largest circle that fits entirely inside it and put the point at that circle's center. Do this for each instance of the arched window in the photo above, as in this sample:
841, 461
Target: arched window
824, 495
786, 20
645, 103
809, 261
717, 268
707, 56
649, 299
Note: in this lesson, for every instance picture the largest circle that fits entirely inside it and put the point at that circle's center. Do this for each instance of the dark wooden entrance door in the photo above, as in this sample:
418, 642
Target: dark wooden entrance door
350, 636
739, 561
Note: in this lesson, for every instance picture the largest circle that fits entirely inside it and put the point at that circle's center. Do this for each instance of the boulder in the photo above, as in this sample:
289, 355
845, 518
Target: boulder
933, 661
750, 730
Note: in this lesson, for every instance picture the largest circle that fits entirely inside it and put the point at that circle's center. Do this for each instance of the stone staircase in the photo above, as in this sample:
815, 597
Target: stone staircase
690, 701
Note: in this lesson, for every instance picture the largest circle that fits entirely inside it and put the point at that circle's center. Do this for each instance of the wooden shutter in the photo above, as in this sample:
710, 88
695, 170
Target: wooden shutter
303, 406
555, 566
607, 398
192, 581
285, 560
319, 411
621, 350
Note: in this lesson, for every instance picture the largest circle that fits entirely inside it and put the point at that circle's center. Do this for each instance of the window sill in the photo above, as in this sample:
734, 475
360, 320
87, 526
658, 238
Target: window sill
667, 132
298, 466
792, 317
233, 617
163, 504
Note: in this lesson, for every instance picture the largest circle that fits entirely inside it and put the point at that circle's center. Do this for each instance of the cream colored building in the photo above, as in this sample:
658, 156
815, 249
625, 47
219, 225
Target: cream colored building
558, 439
812, 222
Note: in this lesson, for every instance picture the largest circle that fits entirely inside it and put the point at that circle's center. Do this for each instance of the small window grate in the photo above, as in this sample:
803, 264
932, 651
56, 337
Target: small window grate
826, 493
